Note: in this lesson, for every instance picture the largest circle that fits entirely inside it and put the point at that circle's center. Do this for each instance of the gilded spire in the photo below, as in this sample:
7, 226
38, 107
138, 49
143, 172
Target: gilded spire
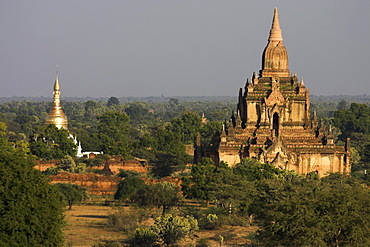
275, 31
56, 91
275, 55
56, 83
56, 115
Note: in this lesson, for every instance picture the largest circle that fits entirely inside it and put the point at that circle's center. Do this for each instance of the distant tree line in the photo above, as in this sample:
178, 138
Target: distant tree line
157, 132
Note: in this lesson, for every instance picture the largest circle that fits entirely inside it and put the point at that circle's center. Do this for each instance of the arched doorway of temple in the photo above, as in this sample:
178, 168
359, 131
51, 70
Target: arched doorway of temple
275, 123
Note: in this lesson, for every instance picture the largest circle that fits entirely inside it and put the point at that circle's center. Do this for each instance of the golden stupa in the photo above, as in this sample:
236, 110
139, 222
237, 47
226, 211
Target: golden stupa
56, 115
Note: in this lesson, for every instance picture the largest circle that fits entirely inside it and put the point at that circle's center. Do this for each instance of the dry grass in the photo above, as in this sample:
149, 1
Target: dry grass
233, 236
87, 225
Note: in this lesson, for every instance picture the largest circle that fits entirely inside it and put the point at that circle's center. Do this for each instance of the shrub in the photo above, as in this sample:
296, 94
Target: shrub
128, 187
203, 242
143, 237
171, 228
125, 221
127, 173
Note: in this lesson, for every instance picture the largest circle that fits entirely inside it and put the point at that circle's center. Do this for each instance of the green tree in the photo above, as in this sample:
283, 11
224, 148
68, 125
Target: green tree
355, 159
88, 137
164, 164
354, 123
191, 124
354, 119
113, 131
331, 211
90, 107
209, 131
69, 165
342, 104
228, 189
168, 141
112, 101
51, 143
169, 151
171, 228
253, 170
72, 193
197, 185
3, 129
30, 209
186, 127
128, 187
161, 195
140, 113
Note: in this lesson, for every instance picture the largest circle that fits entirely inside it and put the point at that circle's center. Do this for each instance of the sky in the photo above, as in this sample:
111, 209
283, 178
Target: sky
174, 48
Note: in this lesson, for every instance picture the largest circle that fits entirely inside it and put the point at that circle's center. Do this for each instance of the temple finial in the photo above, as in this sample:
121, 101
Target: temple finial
56, 84
275, 32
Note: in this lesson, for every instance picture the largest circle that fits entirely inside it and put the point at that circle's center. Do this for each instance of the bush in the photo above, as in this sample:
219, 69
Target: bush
69, 165
126, 221
127, 173
203, 242
97, 171
52, 171
233, 220
128, 187
143, 237
171, 228
215, 217
93, 162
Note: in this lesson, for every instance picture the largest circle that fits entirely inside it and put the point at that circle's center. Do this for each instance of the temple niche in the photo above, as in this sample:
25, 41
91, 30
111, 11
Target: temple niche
273, 123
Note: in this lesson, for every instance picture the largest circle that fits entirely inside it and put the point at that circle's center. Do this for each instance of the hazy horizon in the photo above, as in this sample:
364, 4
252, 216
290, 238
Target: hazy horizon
177, 48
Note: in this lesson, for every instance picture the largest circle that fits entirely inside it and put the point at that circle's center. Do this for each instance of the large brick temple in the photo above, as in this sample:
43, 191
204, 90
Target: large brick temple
273, 122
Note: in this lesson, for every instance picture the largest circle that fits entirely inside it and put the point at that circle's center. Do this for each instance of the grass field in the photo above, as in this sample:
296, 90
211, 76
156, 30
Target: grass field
87, 225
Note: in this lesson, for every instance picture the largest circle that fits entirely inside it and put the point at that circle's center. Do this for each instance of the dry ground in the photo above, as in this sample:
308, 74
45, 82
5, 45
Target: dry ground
86, 226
